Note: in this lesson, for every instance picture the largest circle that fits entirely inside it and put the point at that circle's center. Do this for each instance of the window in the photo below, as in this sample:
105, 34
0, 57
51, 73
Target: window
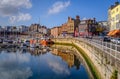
113, 12
117, 17
117, 10
117, 25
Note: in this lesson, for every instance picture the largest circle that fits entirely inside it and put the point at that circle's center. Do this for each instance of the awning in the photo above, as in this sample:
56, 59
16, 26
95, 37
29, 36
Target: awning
115, 32
118, 33
109, 34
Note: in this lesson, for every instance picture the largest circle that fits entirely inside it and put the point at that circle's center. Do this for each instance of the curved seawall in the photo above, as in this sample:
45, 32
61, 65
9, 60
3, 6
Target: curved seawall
96, 59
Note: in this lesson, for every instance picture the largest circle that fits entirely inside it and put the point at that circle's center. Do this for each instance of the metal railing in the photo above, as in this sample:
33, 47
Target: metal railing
108, 47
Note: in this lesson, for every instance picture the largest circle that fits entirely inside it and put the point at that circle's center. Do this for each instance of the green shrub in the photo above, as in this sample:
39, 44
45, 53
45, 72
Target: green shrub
114, 75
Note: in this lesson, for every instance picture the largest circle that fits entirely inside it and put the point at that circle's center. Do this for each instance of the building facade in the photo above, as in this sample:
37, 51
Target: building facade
64, 29
114, 16
104, 27
87, 27
42, 29
83, 28
76, 26
70, 26
55, 31
34, 27
38, 31
23, 28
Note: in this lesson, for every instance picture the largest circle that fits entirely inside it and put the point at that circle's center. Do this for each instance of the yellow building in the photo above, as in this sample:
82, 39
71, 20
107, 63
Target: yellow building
114, 16
70, 24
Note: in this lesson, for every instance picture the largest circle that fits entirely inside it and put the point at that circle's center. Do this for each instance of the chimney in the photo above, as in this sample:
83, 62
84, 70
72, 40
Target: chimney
112, 6
77, 17
116, 3
94, 20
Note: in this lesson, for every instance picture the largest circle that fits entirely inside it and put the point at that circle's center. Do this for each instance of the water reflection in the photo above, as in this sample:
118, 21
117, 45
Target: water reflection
68, 57
9, 66
47, 63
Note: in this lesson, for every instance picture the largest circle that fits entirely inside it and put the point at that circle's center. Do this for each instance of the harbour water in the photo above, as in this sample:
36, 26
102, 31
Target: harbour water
52, 63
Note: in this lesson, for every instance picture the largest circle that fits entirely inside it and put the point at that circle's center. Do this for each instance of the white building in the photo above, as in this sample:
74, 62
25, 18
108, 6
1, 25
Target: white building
23, 28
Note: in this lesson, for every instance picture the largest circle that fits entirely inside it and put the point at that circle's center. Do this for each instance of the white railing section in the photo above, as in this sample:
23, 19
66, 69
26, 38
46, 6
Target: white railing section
108, 47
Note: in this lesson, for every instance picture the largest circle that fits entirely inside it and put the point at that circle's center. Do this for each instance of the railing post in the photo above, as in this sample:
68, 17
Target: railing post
102, 46
105, 46
115, 53
110, 48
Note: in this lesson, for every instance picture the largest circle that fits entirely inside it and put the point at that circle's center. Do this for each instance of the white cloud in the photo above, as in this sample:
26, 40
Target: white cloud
16, 73
20, 17
10, 68
58, 68
12, 58
11, 7
58, 7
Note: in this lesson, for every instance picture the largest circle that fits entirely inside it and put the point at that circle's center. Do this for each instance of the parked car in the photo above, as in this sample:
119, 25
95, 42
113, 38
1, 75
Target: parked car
118, 41
115, 40
106, 39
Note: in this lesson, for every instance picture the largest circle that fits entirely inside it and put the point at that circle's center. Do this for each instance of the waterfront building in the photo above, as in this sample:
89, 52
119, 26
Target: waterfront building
114, 16
68, 29
104, 27
76, 26
42, 29
88, 27
23, 28
83, 27
14, 28
70, 26
64, 29
55, 31
114, 20
8, 28
48, 32
37, 31
34, 27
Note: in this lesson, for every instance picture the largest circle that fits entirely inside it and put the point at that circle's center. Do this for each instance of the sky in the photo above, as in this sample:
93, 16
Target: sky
51, 13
